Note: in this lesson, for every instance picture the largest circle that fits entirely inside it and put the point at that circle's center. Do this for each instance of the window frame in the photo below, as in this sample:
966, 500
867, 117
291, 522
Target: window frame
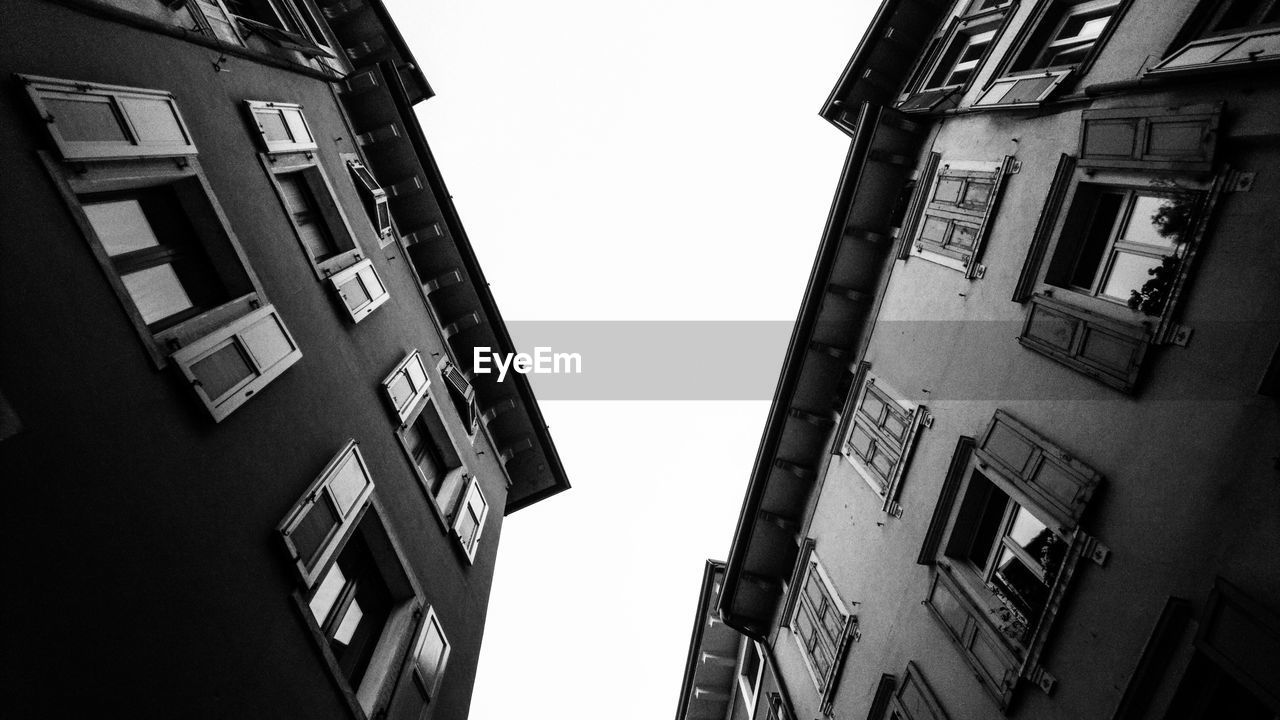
408, 408
284, 111
330, 212
749, 686
1199, 32
41, 89
375, 199
429, 686
808, 565
363, 516
915, 417
921, 95
108, 176
1056, 488
371, 283
462, 394
472, 496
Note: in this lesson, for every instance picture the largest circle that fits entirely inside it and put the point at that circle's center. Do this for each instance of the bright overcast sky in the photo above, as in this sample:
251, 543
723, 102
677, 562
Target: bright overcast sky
648, 161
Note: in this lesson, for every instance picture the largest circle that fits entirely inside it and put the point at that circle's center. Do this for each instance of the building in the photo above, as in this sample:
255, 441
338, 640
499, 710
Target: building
1021, 460
728, 676
250, 472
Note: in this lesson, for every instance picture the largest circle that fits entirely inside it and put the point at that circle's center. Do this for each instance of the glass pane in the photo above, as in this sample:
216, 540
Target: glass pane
1097, 237
1158, 221
1128, 273
988, 522
431, 654
372, 282
417, 375
312, 532
1019, 588
1256, 47
895, 423
347, 484
350, 621
322, 602
1025, 528
872, 406
948, 190
1027, 90
272, 125
86, 120
467, 526
1200, 53
154, 121
157, 292
860, 441
121, 226
1083, 27
353, 293
222, 371
267, 341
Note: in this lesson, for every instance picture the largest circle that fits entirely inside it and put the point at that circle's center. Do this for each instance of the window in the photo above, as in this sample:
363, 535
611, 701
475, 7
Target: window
957, 211
286, 23
375, 198
750, 668
953, 58
462, 394
407, 385
317, 219
778, 709
819, 622
281, 127
1011, 511
1062, 37
468, 521
1226, 35
880, 436
356, 592
164, 246
430, 657
88, 121
914, 699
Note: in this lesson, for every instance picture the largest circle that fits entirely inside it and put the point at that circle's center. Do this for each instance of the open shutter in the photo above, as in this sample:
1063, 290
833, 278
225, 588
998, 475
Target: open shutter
226, 367
462, 395
91, 121
407, 385
468, 522
1022, 90
430, 657
327, 512
996, 665
1106, 350
281, 127
375, 197
1057, 482
1223, 52
360, 289
1151, 138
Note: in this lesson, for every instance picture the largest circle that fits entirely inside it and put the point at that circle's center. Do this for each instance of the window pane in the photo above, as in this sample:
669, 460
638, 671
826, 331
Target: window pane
989, 521
401, 389
1027, 90
1025, 528
934, 230
872, 406
121, 226
267, 342
350, 621
154, 121
353, 293
416, 374
297, 126
468, 526
1097, 236
312, 532
1021, 590
327, 594
963, 236
860, 441
157, 292
431, 655
87, 120
223, 370
1157, 221
272, 125
1129, 271
895, 424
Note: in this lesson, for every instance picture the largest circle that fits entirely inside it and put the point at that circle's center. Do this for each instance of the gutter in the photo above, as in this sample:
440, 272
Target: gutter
875, 31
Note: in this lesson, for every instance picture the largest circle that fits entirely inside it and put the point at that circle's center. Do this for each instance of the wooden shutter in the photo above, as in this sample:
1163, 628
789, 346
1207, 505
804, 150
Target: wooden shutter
230, 364
1105, 349
1045, 225
1162, 138
474, 507
1243, 637
915, 699
915, 210
957, 213
281, 127
462, 395
996, 665
1022, 90
430, 656
407, 385
89, 121
360, 289
327, 512
1053, 480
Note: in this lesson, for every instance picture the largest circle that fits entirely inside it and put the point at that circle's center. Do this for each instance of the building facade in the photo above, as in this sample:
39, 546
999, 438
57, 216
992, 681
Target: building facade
251, 471
1021, 461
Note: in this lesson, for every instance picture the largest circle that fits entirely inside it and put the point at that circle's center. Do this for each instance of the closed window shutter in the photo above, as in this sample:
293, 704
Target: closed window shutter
231, 364
996, 665
958, 211
1176, 138
360, 289
329, 509
1106, 350
1055, 481
462, 394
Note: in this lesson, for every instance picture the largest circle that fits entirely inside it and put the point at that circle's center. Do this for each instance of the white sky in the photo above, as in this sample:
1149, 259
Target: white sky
655, 161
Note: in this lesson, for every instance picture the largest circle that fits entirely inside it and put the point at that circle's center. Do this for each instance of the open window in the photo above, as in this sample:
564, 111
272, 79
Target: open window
161, 239
1130, 223
462, 394
375, 198
1011, 541
356, 593
318, 220
750, 668
1062, 37
948, 68
880, 436
1225, 35
428, 659
423, 435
